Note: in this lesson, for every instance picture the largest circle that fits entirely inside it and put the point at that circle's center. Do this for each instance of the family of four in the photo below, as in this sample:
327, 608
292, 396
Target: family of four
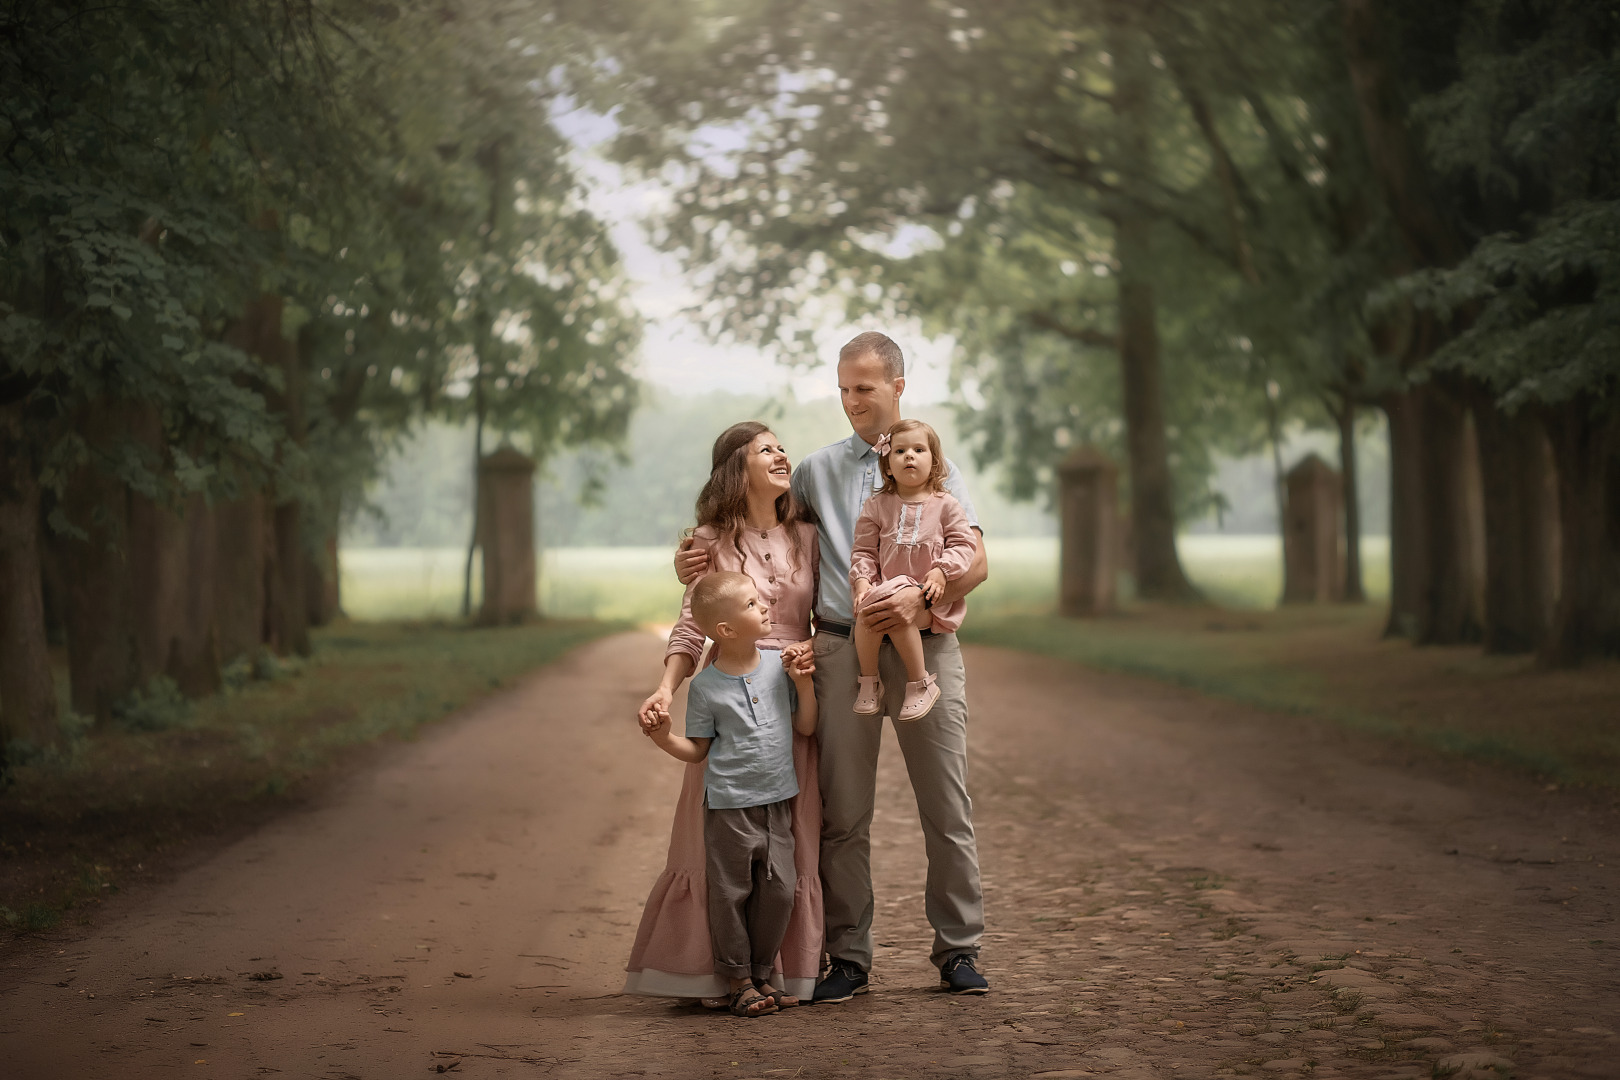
872, 539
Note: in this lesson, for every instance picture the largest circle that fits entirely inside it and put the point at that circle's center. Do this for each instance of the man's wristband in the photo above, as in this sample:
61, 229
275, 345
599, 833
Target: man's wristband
927, 603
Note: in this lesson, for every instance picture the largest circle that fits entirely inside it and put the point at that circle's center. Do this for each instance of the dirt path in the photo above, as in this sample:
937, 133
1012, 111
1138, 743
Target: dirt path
1175, 888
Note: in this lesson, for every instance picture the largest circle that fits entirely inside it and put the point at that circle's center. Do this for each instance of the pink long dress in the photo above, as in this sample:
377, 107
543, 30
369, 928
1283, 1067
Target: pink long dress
672, 956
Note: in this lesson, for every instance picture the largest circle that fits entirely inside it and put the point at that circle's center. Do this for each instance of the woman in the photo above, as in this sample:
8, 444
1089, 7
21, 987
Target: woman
748, 521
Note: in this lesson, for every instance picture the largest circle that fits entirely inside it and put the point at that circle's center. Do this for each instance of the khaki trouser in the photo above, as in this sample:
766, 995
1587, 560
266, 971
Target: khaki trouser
935, 749
749, 864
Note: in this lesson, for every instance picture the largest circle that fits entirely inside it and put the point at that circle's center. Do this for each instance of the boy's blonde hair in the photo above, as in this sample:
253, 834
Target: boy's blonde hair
936, 474
713, 596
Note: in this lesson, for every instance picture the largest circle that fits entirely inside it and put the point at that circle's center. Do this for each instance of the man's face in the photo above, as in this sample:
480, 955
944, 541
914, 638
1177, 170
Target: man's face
870, 400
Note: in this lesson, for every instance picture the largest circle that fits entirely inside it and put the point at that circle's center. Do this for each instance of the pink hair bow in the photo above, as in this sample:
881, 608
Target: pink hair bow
882, 445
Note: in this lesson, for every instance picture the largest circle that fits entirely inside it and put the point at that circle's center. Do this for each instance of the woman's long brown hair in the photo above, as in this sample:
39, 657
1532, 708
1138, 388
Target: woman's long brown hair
723, 502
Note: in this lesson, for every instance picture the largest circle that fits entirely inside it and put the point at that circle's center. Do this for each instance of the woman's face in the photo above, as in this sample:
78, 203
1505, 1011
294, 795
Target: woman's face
768, 468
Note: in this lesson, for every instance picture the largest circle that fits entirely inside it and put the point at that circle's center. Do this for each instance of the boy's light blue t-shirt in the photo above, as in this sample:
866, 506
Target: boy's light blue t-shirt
750, 719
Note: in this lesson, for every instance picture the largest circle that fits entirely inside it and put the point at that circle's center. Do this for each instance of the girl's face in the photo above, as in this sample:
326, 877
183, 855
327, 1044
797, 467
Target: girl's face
910, 460
767, 465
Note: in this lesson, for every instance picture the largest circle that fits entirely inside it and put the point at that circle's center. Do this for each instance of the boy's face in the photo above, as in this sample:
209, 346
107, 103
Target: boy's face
748, 618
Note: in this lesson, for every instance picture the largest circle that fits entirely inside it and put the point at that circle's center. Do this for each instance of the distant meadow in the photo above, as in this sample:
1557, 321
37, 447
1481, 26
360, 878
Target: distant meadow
637, 584
606, 521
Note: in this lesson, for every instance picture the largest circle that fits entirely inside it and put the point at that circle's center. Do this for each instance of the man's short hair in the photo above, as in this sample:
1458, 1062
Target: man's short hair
879, 345
713, 596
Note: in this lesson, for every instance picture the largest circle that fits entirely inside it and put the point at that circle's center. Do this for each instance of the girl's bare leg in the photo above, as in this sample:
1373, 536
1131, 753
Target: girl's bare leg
867, 644
908, 643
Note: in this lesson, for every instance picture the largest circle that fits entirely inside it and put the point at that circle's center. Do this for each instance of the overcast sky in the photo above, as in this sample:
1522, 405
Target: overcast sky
674, 352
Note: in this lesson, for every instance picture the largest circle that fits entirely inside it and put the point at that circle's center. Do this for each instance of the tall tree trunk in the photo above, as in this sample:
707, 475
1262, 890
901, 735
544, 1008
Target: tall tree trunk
1408, 554
1518, 561
97, 583
489, 159
477, 489
1345, 414
27, 693
1433, 577
321, 573
1430, 238
240, 527
195, 660
1586, 449
286, 607
1159, 574
289, 630
1449, 615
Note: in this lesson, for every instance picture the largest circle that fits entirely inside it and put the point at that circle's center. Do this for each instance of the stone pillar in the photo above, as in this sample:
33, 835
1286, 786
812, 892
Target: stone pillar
1313, 534
506, 535
1088, 517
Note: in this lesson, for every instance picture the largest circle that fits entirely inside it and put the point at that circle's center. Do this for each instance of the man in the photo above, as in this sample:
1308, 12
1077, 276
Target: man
835, 482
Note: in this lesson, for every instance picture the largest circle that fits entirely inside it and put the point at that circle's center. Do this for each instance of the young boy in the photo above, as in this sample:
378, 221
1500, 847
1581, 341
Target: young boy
741, 713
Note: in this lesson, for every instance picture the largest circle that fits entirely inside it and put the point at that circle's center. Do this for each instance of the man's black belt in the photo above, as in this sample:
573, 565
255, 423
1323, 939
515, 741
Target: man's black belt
840, 630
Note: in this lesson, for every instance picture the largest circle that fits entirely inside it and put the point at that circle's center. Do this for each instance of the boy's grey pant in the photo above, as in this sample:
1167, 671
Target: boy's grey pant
749, 863
935, 749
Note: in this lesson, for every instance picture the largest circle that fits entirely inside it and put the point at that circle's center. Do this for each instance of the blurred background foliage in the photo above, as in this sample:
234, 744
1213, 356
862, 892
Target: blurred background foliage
249, 251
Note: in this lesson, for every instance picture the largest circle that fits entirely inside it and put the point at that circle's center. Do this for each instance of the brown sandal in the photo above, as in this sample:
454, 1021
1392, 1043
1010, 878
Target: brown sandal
780, 998
741, 1003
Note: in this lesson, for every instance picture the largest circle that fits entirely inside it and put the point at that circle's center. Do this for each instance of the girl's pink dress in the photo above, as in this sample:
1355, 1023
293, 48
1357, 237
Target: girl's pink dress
672, 956
898, 542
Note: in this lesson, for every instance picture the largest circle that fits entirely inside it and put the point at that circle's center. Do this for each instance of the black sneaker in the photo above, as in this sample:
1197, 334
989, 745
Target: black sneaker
843, 981
959, 976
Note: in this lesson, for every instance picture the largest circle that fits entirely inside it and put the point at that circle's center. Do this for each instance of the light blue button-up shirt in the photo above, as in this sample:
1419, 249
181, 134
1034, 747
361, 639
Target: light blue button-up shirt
750, 719
835, 482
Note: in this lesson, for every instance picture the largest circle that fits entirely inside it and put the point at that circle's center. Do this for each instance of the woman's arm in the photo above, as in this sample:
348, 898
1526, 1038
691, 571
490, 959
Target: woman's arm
686, 635
678, 667
801, 670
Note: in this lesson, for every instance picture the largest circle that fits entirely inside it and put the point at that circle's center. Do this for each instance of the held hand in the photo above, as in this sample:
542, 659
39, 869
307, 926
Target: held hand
934, 584
659, 730
802, 665
691, 561
903, 609
793, 650
654, 710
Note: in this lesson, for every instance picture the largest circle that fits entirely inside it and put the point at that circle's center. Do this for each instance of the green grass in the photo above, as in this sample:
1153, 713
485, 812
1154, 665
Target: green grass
626, 584
76, 822
1328, 663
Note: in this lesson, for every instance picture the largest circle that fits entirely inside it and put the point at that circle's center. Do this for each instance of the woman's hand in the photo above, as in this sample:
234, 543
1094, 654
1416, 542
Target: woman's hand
808, 645
658, 731
655, 709
801, 665
934, 585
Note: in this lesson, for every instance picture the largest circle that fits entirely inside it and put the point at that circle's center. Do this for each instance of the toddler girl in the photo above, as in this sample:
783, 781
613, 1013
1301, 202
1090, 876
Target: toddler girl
912, 532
